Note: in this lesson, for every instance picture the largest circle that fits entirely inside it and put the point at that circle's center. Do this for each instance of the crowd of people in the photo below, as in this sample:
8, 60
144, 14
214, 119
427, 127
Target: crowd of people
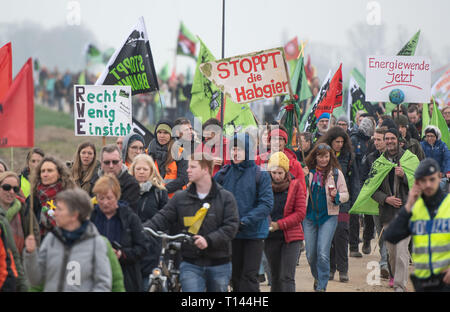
79, 225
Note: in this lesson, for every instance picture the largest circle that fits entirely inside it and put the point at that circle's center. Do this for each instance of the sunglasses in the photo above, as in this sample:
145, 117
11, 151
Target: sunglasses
108, 162
8, 187
323, 146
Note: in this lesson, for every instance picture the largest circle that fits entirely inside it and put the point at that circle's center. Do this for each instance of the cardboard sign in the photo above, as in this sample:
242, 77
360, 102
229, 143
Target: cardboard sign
102, 110
411, 74
250, 77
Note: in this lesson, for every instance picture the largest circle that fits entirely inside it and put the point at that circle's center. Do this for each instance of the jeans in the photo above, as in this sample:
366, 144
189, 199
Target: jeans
339, 249
318, 244
282, 259
264, 268
246, 258
195, 278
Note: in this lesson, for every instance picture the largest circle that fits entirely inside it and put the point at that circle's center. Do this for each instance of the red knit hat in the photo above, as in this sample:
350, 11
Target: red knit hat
278, 132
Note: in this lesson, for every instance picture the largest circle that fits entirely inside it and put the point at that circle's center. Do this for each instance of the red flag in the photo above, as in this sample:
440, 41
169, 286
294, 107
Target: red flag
291, 50
5, 69
17, 111
332, 97
309, 69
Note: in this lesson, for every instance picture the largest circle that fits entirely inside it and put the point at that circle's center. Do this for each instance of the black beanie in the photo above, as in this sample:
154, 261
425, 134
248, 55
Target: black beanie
394, 132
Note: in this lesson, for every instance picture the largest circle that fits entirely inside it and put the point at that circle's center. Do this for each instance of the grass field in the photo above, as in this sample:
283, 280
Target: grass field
54, 133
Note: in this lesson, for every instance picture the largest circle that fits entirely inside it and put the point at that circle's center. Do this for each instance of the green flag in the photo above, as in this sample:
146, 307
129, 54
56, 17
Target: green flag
438, 120
364, 204
82, 78
299, 82
410, 48
164, 73
206, 97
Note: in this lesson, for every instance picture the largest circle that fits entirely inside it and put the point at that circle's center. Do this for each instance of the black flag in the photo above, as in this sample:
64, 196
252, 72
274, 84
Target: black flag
139, 128
132, 64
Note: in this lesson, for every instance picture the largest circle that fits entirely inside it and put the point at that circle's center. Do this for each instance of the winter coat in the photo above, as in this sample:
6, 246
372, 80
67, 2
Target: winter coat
341, 187
294, 212
151, 201
21, 281
438, 152
295, 168
351, 174
129, 187
83, 266
219, 226
252, 188
133, 243
178, 179
7, 276
360, 144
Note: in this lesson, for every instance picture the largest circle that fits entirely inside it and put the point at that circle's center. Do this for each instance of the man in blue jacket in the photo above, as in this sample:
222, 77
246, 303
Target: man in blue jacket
252, 189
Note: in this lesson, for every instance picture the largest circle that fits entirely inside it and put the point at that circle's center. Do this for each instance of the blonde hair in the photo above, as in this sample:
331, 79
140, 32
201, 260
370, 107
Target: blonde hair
7, 174
107, 183
155, 177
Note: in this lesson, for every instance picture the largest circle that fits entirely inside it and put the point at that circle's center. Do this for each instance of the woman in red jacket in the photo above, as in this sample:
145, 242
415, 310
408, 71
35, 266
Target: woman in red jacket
282, 246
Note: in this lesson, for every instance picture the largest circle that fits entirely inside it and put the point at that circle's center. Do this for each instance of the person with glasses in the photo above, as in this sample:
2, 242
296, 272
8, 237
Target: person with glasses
133, 145
49, 178
327, 191
84, 166
111, 162
15, 219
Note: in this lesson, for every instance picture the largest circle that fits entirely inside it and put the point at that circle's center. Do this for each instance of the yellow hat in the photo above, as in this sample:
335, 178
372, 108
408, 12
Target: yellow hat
278, 159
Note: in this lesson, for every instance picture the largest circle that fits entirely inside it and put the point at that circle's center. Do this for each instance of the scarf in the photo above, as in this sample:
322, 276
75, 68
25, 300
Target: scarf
15, 221
283, 185
145, 187
158, 151
72, 236
318, 177
46, 194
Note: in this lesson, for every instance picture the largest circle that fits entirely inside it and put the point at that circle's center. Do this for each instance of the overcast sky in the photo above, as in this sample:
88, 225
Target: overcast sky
251, 25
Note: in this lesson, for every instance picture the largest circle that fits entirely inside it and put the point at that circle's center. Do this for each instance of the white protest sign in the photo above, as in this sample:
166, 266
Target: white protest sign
102, 110
411, 74
250, 77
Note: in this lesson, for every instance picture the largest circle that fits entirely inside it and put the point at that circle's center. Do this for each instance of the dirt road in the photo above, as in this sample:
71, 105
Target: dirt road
362, 275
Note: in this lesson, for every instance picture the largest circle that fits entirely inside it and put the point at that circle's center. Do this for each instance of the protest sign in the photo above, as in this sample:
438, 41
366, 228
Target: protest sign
250, 77
132, 64
411, 74
102, 110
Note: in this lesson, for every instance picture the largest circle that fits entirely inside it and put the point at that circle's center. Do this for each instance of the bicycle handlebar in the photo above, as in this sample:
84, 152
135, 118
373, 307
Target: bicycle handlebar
167, 236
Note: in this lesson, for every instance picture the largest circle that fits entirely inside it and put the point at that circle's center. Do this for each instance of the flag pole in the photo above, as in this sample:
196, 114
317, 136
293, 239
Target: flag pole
222, 98
12, 158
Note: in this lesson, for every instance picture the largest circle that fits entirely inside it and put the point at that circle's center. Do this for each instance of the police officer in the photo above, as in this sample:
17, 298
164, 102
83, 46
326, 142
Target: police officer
426, 216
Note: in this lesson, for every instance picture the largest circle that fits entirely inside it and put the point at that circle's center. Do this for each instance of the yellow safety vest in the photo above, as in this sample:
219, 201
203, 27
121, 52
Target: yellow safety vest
25, 186
431, 239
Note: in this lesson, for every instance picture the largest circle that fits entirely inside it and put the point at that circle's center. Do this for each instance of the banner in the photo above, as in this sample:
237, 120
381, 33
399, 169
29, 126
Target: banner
412, 74
102, 110
356, 98
17, 110
186, 42
5, 69
249, 77
441, 89
132, 64
206, 97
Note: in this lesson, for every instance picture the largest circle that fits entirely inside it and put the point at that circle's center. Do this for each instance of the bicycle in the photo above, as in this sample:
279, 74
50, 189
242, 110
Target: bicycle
165, 277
